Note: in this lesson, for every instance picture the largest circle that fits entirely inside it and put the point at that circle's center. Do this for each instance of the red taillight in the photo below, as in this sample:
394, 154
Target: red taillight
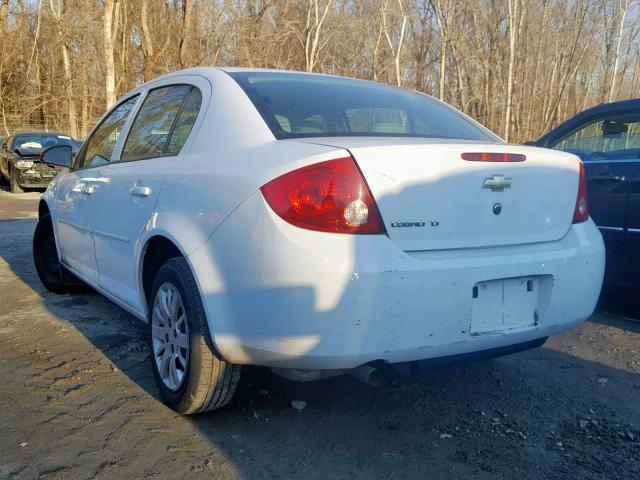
581, 212
328, 196
493, 157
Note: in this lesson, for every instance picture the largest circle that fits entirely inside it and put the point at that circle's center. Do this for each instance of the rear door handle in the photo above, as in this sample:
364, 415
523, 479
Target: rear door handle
140, 191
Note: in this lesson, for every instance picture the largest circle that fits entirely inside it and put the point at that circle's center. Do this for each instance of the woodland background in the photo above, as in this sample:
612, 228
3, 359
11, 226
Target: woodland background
518, 66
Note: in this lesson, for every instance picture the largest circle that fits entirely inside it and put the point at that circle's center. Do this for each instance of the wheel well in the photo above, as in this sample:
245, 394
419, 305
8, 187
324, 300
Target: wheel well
43, 209
158, 250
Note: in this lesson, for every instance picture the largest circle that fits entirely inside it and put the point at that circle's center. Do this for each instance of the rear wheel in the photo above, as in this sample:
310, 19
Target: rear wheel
14, 187
45, 257
191, 378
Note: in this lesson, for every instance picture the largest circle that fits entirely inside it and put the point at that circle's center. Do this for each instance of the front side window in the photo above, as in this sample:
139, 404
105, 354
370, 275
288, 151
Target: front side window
100, 145
297, 105
613, 138
152, 128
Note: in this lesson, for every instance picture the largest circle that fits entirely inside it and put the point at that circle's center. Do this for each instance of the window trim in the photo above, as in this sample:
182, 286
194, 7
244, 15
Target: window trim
171, 130
83, 148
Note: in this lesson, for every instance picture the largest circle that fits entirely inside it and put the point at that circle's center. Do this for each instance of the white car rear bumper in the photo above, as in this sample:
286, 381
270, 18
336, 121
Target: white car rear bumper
280, 296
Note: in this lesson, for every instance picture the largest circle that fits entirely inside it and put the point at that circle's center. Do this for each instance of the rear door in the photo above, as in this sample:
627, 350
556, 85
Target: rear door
610, 148
132, 184
632, 241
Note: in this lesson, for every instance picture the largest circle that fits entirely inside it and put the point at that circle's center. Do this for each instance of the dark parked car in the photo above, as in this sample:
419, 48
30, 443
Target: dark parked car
607, 139
20, 161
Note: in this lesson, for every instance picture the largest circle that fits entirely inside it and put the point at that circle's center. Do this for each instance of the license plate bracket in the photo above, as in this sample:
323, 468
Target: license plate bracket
504, 304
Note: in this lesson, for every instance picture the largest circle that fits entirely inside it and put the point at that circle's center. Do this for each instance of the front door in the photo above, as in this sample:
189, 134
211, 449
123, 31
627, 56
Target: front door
610, 148
76, 192
73, 196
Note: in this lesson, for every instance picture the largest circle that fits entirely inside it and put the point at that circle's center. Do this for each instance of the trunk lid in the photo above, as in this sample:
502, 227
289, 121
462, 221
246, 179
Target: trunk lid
431, 199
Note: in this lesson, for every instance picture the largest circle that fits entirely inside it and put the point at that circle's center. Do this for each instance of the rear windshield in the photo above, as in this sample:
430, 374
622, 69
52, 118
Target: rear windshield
300, 105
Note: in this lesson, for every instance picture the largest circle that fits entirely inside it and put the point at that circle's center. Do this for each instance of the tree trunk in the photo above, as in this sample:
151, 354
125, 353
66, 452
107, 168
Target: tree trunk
58, 9
68, 81
187, 8
4, 16
441, 19
513, 36
614, 75
109, 35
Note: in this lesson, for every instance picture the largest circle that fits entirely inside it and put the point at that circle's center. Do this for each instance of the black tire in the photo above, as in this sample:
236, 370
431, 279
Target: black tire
209, 382
13, 183
55, 277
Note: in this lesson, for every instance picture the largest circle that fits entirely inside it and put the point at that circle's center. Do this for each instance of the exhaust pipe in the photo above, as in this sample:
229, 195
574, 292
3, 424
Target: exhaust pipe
369, 375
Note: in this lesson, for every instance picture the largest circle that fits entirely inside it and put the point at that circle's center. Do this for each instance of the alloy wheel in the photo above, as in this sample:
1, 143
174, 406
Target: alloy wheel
170, 336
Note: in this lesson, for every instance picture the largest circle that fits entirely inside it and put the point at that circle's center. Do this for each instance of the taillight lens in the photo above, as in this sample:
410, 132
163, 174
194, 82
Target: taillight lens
493, 157
581, 212
328, 196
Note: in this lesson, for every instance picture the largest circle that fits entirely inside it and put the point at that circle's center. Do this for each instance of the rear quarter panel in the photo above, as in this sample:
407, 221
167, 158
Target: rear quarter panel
206, 188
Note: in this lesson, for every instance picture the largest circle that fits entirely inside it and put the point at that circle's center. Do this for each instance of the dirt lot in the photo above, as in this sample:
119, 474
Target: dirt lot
78, 401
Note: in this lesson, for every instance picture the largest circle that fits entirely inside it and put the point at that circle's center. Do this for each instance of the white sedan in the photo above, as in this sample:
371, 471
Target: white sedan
317, 225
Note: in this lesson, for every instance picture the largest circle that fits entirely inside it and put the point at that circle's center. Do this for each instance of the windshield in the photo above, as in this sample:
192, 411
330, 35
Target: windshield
35, 143
298, 105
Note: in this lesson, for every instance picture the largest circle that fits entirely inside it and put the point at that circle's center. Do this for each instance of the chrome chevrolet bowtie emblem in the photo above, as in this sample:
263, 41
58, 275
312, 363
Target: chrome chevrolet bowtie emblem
497, 183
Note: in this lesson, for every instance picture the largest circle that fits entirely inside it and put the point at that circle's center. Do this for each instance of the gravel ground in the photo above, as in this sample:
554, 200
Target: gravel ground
78, 401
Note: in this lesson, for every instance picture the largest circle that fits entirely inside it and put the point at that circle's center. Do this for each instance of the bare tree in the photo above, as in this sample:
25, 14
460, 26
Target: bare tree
623, 7
4, 15
149, 52
58, 9
395, 41
442, 13
514, 28
310, 37
110, 19
518, 66
187, 10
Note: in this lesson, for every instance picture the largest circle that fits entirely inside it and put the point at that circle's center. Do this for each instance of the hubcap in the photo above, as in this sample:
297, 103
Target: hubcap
170, 336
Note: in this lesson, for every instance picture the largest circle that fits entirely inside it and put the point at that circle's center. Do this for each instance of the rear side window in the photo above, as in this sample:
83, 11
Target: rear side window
99, 147
153, 130
185, 121
304, 105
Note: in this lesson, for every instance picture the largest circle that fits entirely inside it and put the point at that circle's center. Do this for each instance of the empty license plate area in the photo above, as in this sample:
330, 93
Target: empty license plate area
505, 304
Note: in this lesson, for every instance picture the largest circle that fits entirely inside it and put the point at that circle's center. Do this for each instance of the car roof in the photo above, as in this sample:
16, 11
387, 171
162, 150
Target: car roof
566, 127
631, 104
207, 72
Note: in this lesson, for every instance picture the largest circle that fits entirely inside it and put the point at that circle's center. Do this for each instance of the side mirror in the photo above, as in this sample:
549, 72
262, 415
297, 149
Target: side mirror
60, 155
